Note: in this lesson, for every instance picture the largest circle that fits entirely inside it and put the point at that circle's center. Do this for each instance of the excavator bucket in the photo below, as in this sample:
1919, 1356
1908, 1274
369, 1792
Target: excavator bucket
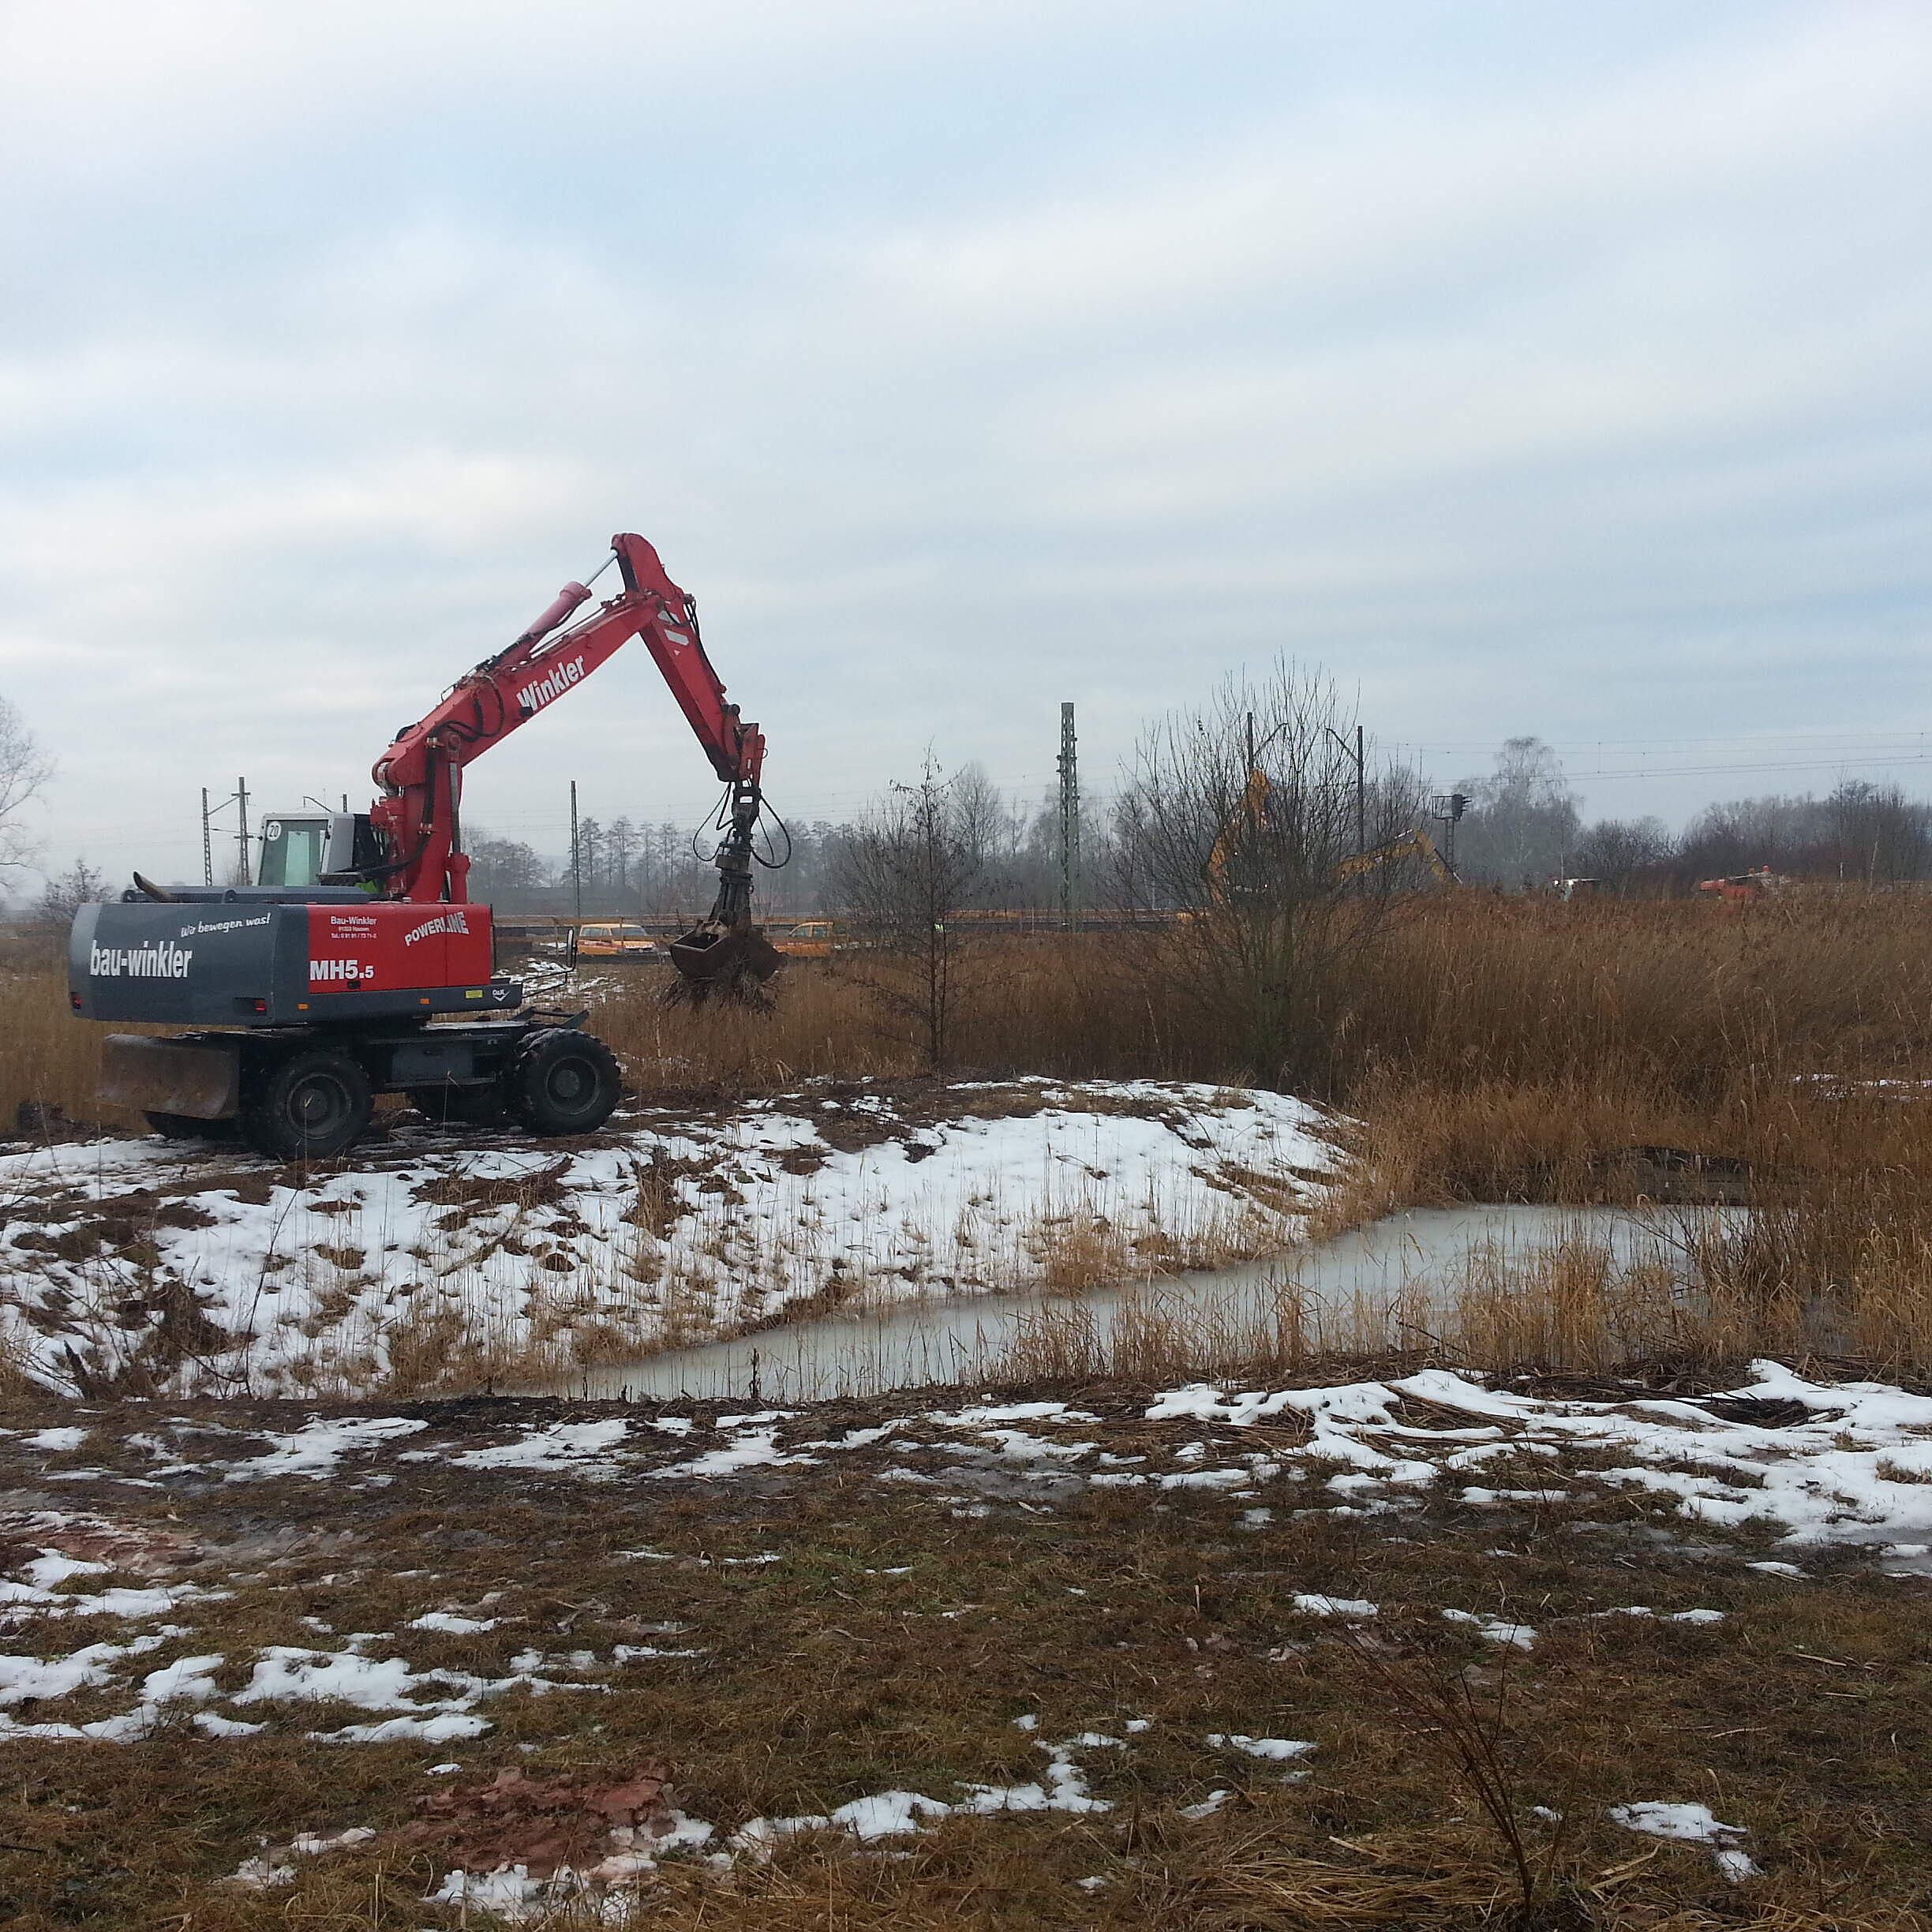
716, 961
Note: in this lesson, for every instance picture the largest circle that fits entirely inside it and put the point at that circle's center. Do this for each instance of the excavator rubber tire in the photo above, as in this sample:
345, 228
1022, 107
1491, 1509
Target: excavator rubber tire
460, 1106
309, 1106
563, 1082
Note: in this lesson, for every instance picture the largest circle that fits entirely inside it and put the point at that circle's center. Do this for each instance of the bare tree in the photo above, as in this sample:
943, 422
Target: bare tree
1522, 818
1872, 834
24, 769
498, 865
1235, 822
1627, 855
669, 875
79, 885
905, 872
585, 859
1737, 835
1881, 836
619, 842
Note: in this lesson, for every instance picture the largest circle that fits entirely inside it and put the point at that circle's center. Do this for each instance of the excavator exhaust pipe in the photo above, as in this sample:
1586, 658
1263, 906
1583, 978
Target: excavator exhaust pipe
719, 962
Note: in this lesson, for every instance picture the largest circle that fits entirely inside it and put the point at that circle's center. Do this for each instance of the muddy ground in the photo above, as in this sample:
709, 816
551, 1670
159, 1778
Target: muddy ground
1035, 1660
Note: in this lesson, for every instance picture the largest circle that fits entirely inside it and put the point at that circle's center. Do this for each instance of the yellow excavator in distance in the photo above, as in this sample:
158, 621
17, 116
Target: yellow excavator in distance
1415, 845
1253, 809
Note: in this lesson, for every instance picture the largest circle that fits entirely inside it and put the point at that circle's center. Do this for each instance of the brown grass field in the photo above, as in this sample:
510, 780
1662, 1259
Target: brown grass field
1493, 1049
1665, 1013
1490, 1050
832, 1632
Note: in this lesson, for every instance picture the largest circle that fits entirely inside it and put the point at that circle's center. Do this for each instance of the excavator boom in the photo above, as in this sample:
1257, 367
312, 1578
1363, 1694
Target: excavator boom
417, 817
1415, 845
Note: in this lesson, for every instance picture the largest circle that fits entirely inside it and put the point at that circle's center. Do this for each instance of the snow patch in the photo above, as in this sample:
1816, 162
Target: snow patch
313, 1287
1688, 1823
1278, 1751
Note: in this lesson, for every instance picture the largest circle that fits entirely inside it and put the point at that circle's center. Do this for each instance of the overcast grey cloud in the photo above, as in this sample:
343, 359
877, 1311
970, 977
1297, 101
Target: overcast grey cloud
1534, 368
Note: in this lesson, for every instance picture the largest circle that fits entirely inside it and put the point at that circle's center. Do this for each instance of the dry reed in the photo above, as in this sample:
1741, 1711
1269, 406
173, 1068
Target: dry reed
1660, 1011
1495, 1049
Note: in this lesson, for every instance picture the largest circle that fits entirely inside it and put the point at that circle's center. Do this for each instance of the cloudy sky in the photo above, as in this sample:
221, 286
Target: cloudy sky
1534, 368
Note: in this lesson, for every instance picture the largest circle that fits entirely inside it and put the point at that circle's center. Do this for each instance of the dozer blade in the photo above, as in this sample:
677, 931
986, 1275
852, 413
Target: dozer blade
726, 962
197, 1079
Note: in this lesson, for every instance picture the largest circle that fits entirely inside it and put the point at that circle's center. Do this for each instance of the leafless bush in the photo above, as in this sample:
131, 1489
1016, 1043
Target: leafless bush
905, 871
1236, 822
24, 769
1469, 1723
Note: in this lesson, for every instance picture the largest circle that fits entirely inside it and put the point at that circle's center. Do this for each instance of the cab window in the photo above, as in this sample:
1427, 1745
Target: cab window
292, 852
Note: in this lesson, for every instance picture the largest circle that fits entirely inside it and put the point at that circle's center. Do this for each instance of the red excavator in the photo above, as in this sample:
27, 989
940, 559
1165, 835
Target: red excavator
321, 981
1743, 889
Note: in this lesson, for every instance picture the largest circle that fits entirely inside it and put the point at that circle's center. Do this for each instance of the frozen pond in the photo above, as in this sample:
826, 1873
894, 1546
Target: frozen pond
1412, 1261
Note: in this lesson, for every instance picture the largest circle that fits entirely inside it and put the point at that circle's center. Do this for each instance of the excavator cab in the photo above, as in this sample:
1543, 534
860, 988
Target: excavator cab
301, 848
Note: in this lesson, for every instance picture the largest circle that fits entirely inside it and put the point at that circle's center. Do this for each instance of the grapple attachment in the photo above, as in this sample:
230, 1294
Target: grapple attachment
716, 961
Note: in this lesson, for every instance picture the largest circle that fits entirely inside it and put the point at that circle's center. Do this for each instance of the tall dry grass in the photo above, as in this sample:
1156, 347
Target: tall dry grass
1572, 1306
46, 1057
819, 1025
1652, 1014
1677, 1002
1492, 1048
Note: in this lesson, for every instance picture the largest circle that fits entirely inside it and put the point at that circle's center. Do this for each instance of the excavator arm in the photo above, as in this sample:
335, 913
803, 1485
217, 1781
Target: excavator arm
417, 817
1417, 844
1251, 812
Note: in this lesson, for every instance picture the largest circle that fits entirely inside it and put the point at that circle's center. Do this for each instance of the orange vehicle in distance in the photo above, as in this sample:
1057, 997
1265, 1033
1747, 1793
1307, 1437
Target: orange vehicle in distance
811, 939
615, 942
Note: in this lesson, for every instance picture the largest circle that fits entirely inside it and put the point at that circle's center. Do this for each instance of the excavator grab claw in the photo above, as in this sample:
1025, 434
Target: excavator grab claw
719, 962
724, 956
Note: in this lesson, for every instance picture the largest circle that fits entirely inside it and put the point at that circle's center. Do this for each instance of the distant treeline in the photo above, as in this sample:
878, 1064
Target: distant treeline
666, 869
1523, 829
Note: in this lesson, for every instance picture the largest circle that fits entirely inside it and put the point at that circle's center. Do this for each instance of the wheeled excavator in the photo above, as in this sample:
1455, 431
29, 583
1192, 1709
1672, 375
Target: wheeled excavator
357, 965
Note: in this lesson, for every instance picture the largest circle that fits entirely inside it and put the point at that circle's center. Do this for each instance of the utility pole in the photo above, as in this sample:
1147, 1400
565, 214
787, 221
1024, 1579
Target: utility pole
1069, 820
1356, 752
1361, 794
241, 840
209, 814
576, 862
